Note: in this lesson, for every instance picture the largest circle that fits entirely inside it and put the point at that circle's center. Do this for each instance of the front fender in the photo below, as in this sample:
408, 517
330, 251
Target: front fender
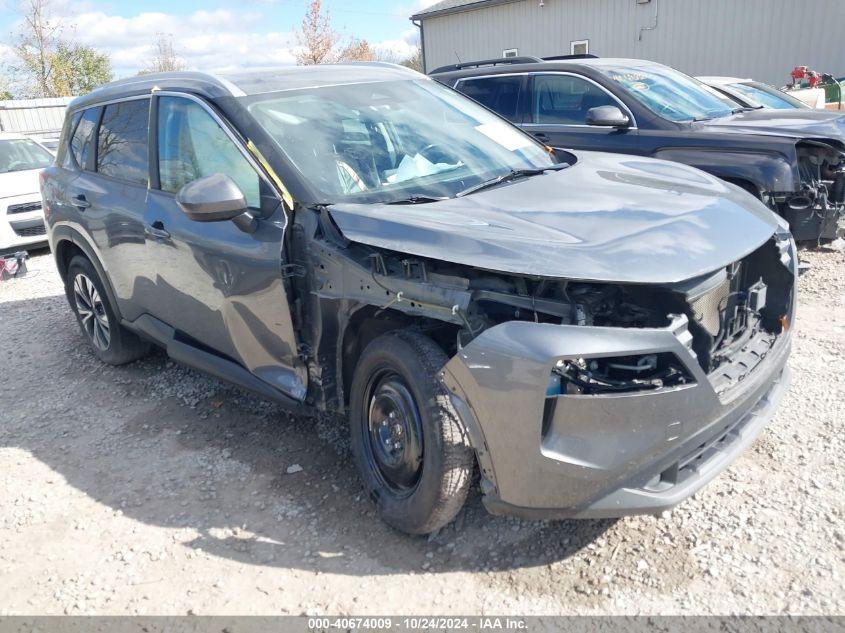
770, 172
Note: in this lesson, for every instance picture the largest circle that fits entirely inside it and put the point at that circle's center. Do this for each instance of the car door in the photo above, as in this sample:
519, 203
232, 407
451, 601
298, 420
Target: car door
110, 146
219, 286
556, 114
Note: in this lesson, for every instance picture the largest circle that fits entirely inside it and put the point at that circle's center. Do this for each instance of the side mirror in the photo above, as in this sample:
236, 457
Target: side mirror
607, 116
212, 199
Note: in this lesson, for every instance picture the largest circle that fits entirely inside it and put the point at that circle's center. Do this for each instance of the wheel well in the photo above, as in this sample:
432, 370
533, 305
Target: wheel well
66, 250
370, 322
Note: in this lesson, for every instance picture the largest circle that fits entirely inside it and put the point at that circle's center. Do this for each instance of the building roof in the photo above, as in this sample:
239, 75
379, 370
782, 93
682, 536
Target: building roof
454, 6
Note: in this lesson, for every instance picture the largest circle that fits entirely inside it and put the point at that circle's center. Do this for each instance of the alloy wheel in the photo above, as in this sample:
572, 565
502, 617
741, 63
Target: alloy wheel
92, 311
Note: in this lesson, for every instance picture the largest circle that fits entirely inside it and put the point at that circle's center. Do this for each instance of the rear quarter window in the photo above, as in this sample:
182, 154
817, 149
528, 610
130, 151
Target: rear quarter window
501, 93
80, 145
122, 141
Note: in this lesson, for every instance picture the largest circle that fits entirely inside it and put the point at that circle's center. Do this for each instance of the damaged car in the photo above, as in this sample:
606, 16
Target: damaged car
792, 160
585, 334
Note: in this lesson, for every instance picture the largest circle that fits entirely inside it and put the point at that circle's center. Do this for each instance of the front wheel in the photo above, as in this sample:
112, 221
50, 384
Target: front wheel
410, 446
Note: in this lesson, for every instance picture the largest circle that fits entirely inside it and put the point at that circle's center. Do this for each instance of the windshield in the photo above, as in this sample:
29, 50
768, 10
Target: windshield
767, 96
390, 141
668, 93
22, 154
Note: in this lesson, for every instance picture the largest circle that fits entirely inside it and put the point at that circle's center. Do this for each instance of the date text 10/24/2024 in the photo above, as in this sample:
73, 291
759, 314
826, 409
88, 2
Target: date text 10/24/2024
417, 623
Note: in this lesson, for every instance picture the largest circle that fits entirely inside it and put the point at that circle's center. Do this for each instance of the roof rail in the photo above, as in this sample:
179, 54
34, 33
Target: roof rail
560, 58
487, 62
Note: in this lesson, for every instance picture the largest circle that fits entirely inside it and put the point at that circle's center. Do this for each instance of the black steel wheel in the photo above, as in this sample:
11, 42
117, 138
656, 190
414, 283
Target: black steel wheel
410, 446
395, 439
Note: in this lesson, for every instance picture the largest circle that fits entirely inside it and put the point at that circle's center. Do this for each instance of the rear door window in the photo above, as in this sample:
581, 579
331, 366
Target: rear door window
500, 93
80, 143
122, 141
565, 100
192, 145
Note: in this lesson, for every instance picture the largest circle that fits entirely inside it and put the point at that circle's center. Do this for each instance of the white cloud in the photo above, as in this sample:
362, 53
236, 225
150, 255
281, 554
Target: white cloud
210, 40
215, 41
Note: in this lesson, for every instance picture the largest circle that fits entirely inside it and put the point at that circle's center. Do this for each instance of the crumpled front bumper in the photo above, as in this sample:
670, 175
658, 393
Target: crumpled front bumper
816, 223
600, 455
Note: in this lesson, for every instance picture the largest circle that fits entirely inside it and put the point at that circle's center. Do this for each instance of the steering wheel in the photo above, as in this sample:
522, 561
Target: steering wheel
438, 146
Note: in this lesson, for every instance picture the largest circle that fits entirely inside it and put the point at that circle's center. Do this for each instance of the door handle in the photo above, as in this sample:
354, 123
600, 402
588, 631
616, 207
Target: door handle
157, 230
541, 136
80, 202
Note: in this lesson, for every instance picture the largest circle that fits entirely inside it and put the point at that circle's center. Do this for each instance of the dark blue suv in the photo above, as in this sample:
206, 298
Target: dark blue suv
792, 160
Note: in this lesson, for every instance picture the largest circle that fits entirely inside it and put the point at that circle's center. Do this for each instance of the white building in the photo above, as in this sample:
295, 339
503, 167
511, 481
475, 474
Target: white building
763, 39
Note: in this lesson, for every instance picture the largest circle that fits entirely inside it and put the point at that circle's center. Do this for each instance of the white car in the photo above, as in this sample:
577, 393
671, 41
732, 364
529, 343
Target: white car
755, 94
21, 216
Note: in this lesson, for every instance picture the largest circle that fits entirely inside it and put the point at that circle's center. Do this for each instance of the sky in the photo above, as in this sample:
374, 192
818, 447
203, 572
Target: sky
216, 35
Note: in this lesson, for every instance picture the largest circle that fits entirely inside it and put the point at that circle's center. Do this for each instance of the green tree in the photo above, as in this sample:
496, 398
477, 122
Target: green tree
48, 65
78, 70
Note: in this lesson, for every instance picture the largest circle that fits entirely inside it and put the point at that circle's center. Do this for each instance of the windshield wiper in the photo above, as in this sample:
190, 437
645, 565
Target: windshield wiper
746, 109
416, 199
513, 174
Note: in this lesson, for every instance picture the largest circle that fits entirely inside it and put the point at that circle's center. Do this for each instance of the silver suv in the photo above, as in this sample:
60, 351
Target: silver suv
596, 334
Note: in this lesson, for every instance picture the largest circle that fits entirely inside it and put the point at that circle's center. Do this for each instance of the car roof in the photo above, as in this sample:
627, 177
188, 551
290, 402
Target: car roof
722, 81
242, 83
504, 66
13, 136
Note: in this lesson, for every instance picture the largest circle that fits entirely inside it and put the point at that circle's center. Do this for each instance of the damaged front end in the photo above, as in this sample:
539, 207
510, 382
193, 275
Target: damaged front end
574, 393
816, 210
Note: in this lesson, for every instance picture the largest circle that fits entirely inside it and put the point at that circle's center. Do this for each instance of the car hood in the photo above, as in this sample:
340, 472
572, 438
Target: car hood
19, 183
817, 124
607, 218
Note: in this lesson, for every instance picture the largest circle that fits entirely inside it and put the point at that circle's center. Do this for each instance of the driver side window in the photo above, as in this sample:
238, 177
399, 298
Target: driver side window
192, 145
565, 99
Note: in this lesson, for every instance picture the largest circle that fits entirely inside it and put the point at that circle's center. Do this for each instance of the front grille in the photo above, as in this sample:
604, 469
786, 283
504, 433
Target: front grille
25, 207
30, 231
738, 319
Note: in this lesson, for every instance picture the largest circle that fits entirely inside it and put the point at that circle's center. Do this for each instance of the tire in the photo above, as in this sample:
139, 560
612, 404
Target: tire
398, 373
110, 341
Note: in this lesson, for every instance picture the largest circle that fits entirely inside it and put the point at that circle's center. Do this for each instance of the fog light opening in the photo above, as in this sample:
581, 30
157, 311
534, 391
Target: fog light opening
617, 374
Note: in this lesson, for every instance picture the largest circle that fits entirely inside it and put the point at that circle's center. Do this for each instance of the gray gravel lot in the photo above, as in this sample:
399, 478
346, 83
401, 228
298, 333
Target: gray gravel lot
154, 489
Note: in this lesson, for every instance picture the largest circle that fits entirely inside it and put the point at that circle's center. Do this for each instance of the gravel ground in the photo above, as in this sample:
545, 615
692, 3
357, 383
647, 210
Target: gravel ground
153, 489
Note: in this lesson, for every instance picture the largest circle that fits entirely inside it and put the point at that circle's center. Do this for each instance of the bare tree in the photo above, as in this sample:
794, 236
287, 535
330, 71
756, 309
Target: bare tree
165, 58
317, 38
414, 62
35, 46
358, 50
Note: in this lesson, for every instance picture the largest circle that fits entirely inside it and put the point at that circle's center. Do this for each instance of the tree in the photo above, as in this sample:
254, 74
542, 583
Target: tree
414, 62
317, 38
358, 50
50, 66
165, 58
35, 46
78, 70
